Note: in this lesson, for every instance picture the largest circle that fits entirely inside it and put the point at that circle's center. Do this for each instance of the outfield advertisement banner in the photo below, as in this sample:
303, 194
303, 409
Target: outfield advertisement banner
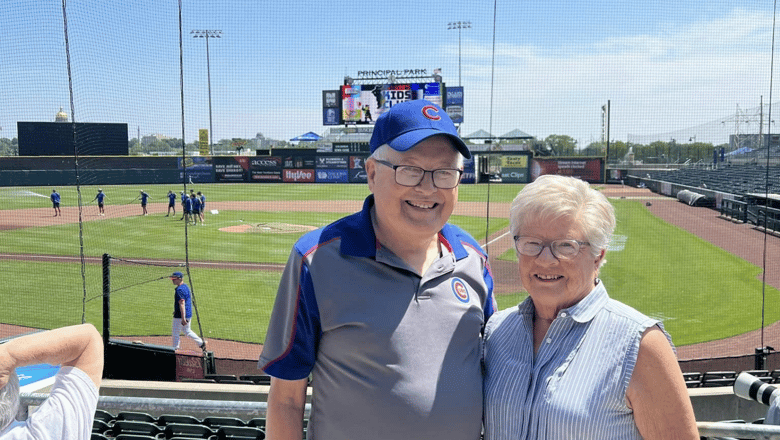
331, 162
231, 169
514, 169
332, 176
298, 176
265, 169
588, 170
357, 169
199, 169
469, 172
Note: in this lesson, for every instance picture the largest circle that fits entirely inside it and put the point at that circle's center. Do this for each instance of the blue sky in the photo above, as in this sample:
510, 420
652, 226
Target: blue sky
669, 68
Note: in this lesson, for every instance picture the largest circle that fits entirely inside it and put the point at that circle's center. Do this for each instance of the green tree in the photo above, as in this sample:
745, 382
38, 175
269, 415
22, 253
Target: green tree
561, 145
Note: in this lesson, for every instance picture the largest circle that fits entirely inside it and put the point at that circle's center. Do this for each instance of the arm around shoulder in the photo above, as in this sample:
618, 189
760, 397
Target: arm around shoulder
286, 404
657, 392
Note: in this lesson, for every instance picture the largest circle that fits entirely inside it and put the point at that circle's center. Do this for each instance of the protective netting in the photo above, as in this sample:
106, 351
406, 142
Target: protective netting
148, 79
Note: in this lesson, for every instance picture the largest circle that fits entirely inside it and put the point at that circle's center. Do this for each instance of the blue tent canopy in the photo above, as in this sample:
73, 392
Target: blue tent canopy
308, 137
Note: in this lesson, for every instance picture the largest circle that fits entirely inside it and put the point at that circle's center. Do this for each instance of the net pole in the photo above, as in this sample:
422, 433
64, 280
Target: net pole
106, 303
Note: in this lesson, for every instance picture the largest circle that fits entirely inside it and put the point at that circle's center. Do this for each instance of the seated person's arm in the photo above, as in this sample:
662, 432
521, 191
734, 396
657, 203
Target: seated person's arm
657, 391
79, 346
286, 404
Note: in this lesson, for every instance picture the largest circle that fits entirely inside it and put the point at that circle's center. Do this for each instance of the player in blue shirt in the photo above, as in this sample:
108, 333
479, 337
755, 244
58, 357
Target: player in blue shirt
99, 197
171, 203
182, 312
202, 205
187, 207
144, 198
196, 215
55, 201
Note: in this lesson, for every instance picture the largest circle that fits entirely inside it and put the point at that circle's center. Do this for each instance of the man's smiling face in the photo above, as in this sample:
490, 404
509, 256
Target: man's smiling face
416, 211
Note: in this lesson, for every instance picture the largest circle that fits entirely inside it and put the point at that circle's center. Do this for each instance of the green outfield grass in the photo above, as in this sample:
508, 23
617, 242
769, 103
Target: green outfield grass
160, 237
699, 291
24, 197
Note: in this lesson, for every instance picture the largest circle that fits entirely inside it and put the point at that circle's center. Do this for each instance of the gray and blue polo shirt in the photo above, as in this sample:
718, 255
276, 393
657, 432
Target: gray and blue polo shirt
391, 354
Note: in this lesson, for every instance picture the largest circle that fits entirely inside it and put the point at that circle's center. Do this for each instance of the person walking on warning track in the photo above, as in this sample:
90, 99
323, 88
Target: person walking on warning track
171, 203
182, 312
55, 201
100, 197
144, 196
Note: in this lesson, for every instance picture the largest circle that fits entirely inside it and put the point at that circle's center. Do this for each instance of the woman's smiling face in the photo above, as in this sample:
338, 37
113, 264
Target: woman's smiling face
555, 284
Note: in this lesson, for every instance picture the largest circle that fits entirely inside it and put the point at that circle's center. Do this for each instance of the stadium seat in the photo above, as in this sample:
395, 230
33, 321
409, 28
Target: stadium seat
137, 416
718, 378
240, 433
260, 379
134, 427
97, 436
257, 423
108, 417
135, 437
216, 422
100, 426
195, 380
187, 430
775, 375
221, 377
165, 419
692, 379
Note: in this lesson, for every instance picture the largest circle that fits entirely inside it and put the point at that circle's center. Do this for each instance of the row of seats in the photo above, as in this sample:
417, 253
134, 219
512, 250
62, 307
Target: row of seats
726, 378
130, 425
247, 379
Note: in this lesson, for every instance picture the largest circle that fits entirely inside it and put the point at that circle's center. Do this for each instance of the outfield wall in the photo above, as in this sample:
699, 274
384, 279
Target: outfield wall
289, 166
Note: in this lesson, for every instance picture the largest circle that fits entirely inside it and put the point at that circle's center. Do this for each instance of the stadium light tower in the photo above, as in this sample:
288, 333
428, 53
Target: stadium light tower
459, 25
207, 33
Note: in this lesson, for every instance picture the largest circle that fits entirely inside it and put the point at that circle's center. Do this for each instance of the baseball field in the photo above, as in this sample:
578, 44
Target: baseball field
701, 275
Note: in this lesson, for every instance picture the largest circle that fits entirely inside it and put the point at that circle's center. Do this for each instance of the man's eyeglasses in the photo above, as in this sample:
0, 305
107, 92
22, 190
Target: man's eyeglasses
561, 249
408, 175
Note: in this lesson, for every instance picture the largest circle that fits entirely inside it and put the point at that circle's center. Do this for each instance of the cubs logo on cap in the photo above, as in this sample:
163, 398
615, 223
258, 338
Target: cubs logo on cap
460, 290
408, 123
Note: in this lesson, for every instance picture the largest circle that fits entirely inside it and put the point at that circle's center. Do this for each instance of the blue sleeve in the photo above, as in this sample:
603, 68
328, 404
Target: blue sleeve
292, 340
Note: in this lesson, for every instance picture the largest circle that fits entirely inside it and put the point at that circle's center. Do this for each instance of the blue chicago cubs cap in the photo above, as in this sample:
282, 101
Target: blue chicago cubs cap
408, 123
176, 275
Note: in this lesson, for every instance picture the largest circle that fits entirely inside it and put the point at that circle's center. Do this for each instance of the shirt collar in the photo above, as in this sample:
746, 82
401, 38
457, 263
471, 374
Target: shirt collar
359, 239
583, 311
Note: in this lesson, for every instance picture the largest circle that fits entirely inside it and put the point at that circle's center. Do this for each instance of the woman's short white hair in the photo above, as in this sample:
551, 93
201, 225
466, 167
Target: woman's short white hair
381, 154
551, 197
9, 400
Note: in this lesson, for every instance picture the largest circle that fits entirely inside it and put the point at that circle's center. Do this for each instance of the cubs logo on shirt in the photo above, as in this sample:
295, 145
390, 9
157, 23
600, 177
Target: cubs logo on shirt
460, 290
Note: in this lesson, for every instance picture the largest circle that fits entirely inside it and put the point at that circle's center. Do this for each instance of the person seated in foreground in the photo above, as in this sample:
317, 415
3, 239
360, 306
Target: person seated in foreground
69, 410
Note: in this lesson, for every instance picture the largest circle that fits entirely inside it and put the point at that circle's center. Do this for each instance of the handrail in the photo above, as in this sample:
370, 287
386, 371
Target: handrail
739, 430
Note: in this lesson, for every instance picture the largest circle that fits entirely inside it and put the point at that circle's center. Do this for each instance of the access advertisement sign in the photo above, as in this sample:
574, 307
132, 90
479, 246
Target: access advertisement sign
588, 170
265, 169
469, 172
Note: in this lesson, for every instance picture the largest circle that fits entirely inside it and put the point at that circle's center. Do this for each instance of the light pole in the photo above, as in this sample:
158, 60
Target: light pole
207, 33
459, 25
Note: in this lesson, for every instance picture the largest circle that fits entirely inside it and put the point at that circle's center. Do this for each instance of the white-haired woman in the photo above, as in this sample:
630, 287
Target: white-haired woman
569, 362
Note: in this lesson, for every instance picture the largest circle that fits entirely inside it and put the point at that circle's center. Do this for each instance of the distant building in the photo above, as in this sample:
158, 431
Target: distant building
146, 140
61, 116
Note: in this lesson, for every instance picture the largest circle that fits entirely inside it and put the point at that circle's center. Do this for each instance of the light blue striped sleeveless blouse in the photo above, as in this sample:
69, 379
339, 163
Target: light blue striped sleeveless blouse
576, 386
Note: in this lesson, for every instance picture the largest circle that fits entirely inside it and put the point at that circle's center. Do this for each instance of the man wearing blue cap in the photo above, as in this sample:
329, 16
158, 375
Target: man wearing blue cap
182, 312
384, 308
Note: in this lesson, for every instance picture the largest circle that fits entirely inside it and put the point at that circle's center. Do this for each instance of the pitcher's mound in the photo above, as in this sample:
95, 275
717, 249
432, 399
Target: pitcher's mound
269, 228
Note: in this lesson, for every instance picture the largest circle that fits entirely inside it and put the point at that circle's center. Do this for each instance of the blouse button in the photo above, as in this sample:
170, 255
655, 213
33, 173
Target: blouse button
549, 340
563, 314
